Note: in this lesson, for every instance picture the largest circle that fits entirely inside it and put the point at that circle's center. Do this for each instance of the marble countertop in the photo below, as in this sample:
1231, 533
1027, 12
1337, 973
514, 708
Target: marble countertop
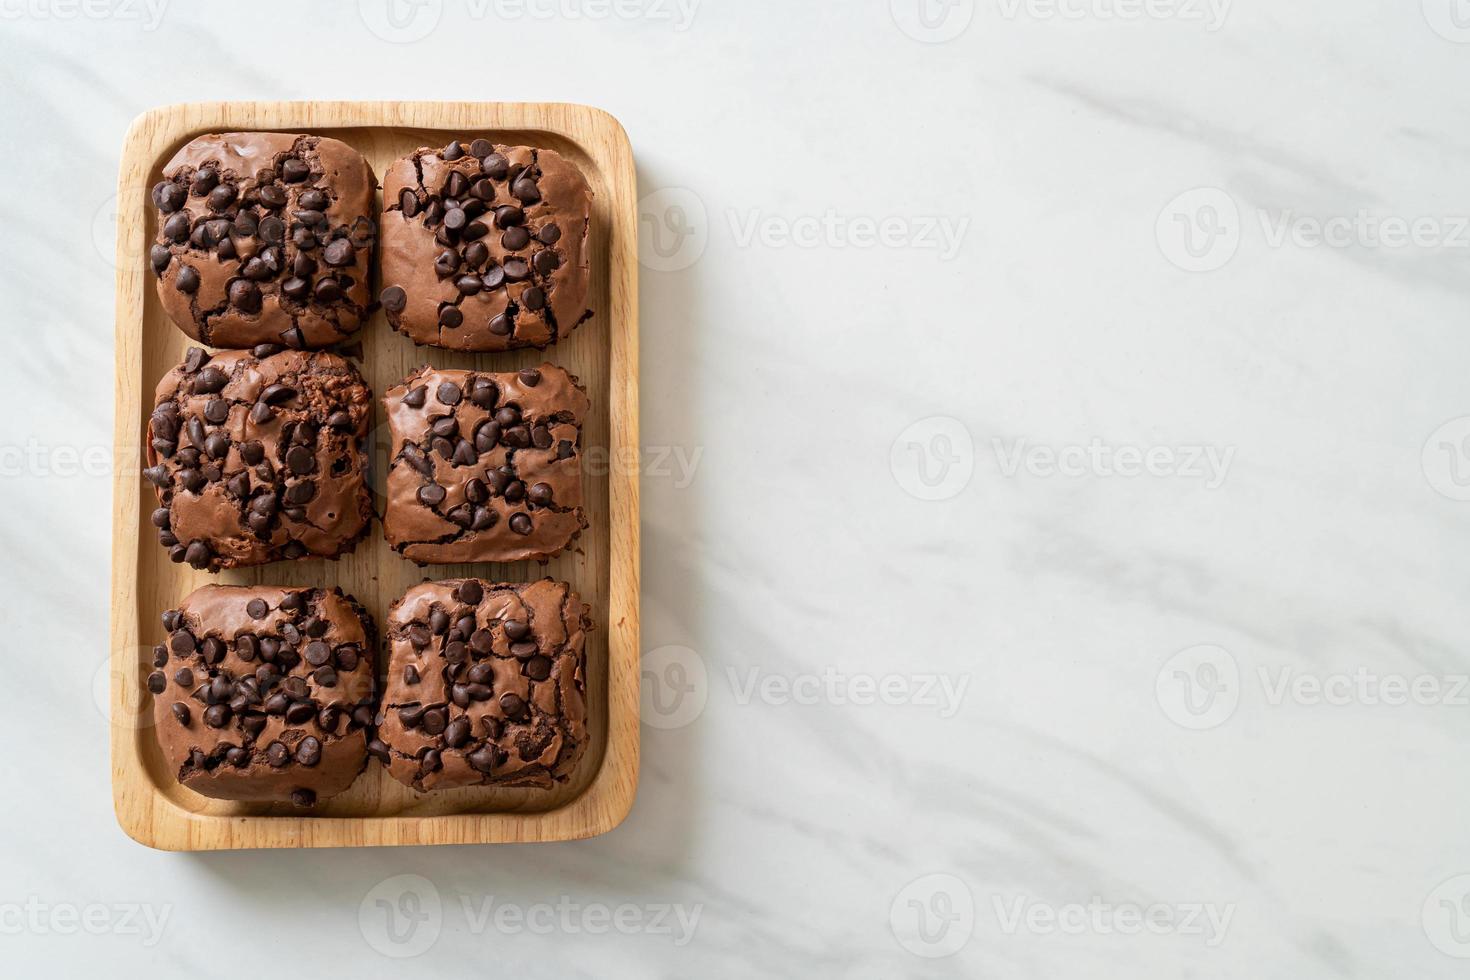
1056, 492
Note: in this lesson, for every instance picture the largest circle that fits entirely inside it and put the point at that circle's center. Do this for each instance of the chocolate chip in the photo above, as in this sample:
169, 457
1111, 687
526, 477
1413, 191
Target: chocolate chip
483, 759
525, 190
157, 682
181, 712
245, 296
394, 299
513, 705
176, 228
456, 185
549, 234
339, 253
521, 524
435, 721
449, 393
222, 197
217, 445
516, 269
538, 668
481, 148
217, 715
517, 630
197, 554
408, 202
470, 593
453, 151
541, 437
277, 394
475, 230
508, 216
411, 715
495, 165
431, 495
204, 181
168, 196
300, 460
515, 238
272, 229
309, 751
467, 285
317, 653
414, 397
327, 291
493, 278
379, 750
277, 754
159, 256
530, 377
457, 733
534, 298
294, 171
450, 316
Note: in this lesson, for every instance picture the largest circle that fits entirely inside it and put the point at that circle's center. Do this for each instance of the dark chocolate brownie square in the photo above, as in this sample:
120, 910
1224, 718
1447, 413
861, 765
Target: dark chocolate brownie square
485, 246
263, 693
258, 456
485, 685
265, 238
485, 466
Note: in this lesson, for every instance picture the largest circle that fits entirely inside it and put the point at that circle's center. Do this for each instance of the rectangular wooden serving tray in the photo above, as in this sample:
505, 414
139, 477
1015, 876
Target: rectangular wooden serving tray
602, 565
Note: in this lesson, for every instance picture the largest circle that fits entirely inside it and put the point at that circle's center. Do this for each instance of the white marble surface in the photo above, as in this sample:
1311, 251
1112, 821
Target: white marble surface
1105, 682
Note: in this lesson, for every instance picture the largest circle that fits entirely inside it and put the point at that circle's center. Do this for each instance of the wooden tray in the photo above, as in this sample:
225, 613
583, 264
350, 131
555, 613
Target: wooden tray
603, 565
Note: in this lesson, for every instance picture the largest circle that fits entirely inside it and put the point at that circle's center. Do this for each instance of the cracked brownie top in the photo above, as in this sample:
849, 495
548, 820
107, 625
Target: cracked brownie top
485, 685
484, 246
264, 693
258, 456
265, 238
485, 466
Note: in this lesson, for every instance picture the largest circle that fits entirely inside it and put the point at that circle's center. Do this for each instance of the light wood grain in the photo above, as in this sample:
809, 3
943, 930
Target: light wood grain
603, 564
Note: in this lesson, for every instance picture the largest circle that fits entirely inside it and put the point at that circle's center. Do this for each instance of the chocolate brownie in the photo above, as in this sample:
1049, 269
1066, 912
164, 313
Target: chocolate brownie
265, 238
485, 467
484, 685
258, 456
485, 246
264, 693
